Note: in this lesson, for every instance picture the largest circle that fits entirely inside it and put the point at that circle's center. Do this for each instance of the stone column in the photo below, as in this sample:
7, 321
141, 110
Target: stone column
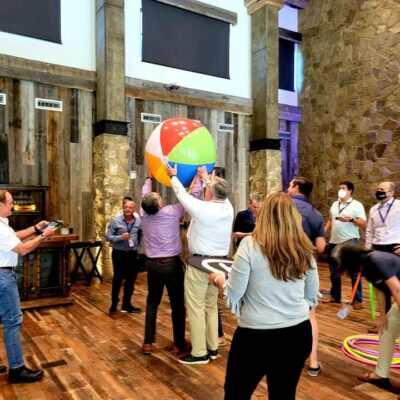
265, 157
111, 144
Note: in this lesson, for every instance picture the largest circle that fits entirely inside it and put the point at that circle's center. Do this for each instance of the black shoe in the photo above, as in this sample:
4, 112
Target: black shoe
192, 360
213, 354
113, 309
3, 368
24, 375
131, 309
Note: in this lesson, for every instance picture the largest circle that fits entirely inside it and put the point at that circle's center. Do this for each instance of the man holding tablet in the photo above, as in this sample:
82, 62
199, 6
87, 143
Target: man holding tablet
13, 244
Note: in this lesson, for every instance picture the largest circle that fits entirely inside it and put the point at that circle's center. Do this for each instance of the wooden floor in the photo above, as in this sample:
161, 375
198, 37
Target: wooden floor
88, 354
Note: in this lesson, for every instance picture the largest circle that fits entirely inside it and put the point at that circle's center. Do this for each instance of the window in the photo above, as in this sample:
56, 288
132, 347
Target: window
286, 65
183, 39
39, 19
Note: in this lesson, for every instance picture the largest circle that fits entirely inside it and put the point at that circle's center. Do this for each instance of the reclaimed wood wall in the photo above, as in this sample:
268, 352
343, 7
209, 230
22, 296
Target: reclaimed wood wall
50, 148
232, 148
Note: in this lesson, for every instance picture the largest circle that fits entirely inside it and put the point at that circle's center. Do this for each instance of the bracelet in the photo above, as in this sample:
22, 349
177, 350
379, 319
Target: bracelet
37, 230
43, 236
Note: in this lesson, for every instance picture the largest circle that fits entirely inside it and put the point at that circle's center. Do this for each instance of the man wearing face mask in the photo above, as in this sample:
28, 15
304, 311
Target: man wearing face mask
346, 217
383, 229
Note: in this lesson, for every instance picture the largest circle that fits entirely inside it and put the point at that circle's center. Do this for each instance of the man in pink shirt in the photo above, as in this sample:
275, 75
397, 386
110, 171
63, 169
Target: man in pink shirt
162, 243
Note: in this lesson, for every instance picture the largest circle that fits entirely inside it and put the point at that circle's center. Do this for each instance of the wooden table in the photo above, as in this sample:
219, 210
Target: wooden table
79, 249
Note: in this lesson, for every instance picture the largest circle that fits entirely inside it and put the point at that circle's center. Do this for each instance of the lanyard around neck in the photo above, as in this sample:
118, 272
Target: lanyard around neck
347, 204
129, 226
383, 219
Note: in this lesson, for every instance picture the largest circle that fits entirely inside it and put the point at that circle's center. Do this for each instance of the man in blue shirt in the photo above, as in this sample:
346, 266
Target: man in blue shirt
122, 233
313, 224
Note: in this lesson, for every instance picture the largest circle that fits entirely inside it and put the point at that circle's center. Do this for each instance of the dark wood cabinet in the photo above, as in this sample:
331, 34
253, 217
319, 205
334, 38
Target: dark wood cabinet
29, 205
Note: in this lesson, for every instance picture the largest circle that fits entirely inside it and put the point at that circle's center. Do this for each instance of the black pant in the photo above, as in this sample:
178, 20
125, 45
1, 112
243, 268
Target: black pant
125, 267
278, 354
220, 329
387, 248
167, 273
336, 280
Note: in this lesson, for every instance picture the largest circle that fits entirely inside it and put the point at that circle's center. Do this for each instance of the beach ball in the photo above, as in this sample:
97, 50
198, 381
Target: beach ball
180, 141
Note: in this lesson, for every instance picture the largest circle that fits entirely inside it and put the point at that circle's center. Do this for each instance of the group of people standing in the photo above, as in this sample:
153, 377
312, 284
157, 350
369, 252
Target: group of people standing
272, 287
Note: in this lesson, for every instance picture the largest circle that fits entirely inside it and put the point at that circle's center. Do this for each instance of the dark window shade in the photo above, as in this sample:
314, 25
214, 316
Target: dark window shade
181, 39
39, 19
286, 65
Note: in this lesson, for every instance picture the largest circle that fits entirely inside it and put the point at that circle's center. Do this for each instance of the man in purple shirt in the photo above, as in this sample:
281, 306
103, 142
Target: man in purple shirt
162, 243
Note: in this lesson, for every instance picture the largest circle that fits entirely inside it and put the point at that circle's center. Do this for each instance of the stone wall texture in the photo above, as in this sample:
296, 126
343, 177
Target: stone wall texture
350, 97
265, 171
110, 184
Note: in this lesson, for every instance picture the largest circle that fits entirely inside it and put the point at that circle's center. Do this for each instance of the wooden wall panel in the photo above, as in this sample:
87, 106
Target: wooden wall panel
3, 135
14, 133
50, 148
28, 138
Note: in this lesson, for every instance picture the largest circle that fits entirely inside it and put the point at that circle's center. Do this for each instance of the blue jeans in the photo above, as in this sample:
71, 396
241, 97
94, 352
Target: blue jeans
336, 281
11, 317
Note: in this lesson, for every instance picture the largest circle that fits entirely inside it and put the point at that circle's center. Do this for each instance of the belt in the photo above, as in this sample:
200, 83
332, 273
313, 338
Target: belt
163, 259
8, 268
125, 251
205, 256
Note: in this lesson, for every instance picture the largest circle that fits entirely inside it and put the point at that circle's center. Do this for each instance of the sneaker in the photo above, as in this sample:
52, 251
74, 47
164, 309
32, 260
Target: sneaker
213, 354
131, 309
314, 371
192, 360
113, 309
357, 305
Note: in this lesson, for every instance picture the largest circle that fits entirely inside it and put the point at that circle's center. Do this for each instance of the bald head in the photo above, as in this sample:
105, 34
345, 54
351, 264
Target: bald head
386, 189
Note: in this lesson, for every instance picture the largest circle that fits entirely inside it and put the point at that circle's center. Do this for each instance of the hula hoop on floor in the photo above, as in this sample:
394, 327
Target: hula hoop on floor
352, 348
372, 301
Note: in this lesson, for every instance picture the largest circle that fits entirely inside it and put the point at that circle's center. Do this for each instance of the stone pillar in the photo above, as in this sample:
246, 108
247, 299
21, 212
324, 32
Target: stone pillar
265, 157
111, 144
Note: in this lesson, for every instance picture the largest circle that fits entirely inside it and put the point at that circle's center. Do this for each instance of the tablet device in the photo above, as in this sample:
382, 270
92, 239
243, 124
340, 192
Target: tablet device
52, 224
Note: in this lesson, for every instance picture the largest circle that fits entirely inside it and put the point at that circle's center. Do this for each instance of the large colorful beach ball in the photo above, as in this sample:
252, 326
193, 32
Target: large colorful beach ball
180, 141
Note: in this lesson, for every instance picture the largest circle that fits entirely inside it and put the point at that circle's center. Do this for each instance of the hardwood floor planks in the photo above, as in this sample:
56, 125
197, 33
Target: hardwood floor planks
89, 354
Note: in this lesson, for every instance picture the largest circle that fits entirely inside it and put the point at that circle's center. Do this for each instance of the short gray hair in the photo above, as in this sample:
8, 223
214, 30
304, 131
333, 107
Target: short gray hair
219, 188
256, 197
150, 204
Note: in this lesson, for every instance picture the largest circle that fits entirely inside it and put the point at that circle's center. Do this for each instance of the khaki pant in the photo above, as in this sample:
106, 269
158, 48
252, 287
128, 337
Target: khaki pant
387, 342
201, 304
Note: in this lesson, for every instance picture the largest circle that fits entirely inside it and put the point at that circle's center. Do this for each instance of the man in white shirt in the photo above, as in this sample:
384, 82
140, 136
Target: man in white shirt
209, 234
346, 217
383, 229
11, 244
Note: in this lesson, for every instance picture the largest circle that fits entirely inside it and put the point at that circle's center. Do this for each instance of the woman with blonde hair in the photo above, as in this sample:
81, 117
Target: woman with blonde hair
273, 284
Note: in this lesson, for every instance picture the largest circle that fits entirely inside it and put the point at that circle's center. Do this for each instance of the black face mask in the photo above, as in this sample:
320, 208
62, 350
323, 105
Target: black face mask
380, 195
